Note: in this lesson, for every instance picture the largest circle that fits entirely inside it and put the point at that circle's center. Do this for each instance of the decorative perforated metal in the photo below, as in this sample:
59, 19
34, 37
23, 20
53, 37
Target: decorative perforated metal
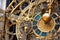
32, 20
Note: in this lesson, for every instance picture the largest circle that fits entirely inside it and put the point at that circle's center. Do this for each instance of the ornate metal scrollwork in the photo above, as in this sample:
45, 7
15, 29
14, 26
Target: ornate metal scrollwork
32, 20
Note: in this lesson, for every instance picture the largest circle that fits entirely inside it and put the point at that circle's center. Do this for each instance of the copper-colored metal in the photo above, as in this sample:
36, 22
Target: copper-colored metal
46, 17
46, 27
